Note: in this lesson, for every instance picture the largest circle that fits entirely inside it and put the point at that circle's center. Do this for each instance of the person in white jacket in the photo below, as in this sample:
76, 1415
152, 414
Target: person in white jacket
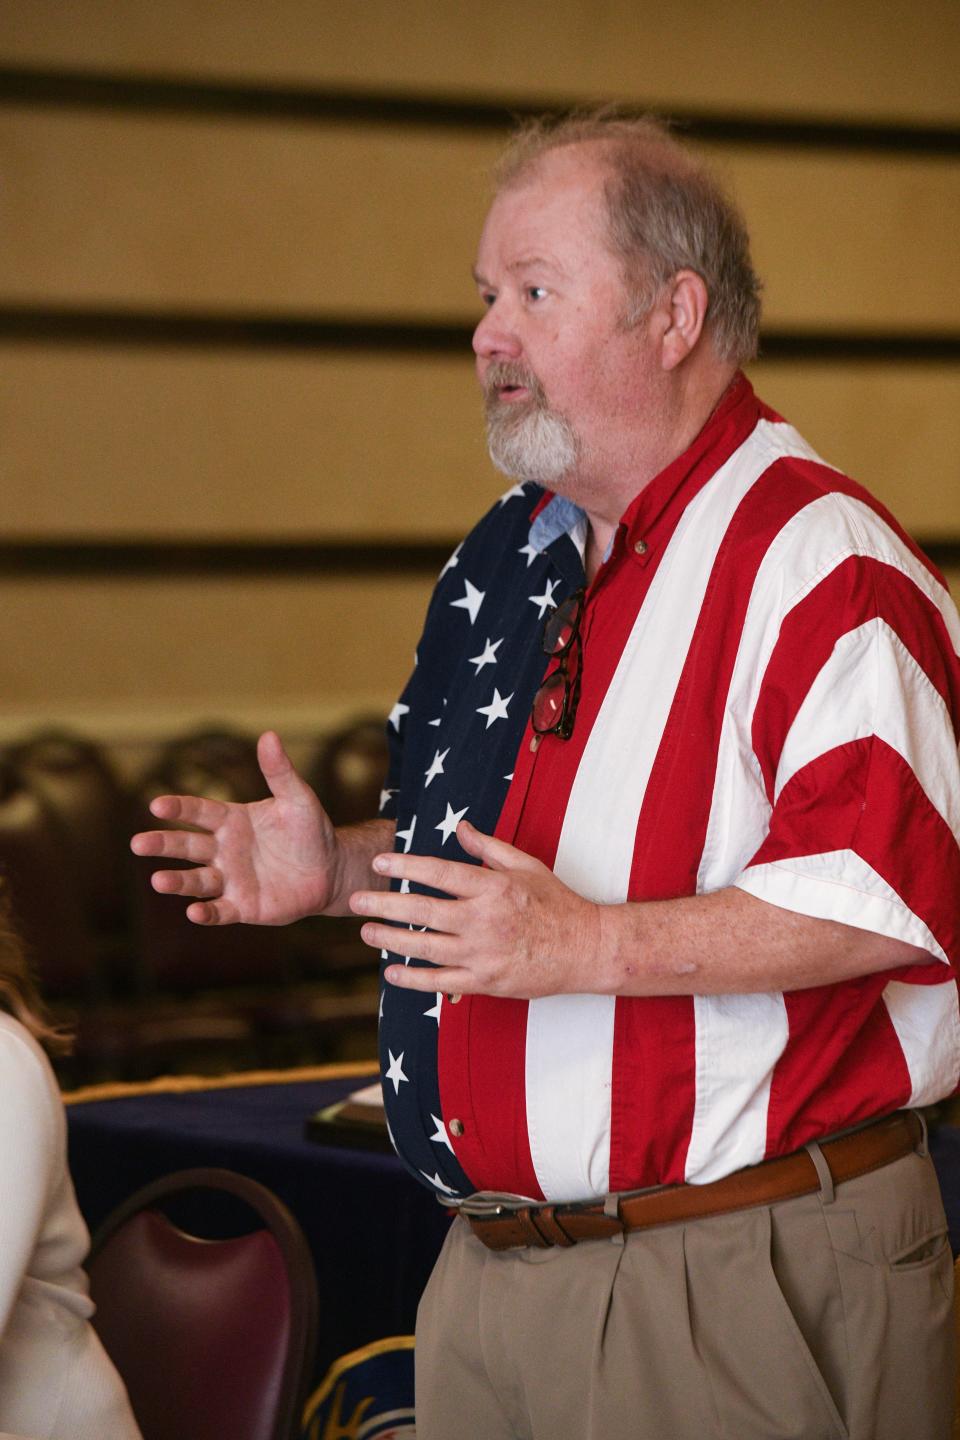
56, 1380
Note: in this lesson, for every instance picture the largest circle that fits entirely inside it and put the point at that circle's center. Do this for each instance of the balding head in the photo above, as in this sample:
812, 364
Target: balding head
664, 213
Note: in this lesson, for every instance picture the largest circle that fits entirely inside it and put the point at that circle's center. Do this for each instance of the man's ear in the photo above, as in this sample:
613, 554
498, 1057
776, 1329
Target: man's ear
687, 301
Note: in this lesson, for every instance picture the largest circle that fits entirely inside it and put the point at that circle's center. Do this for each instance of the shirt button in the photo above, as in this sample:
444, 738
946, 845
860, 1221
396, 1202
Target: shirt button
454, 999
456, 1128
641, 547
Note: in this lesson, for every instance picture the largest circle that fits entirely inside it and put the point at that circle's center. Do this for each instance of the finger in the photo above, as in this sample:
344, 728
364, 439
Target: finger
204, 883
408, 909
450, 876
279, 771
212, 912
495, 854
190, 810
415, 944
451, 981
195, 845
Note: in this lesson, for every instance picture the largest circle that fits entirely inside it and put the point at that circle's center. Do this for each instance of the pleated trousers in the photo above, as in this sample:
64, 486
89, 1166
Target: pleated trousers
819, 1318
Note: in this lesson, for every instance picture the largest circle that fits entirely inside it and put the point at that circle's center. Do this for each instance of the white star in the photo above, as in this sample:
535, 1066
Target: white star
450, 821
397, 714
385, 796
509, 777
453, 561
489, 656
395, 1073
404, 886
440, 1134
497, 709
546, 600
511, 494
471, 600
530, 553
435, 1180
407, 835
439, 718
380, 1011
434, 1012
436, 767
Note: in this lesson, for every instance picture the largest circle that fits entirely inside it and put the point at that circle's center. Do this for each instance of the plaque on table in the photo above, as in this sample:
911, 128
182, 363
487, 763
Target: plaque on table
358, 1121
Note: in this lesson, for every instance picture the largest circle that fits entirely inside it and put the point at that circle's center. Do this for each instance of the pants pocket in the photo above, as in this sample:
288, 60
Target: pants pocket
766, 1380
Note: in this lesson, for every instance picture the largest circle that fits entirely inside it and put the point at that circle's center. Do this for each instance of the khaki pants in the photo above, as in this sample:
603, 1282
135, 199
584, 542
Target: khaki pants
813, 1319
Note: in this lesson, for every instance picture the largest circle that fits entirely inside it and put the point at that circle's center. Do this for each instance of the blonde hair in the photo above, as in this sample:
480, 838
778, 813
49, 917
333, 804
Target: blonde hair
19, 995
665, 212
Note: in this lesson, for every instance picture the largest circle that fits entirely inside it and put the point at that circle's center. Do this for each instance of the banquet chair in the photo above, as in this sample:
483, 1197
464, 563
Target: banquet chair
213, 1337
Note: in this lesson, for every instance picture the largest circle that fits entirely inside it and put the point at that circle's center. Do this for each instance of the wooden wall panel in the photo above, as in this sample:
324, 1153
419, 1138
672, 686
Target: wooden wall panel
103, 208
856, 58
895, 428
148, 658
126, 443
239, 215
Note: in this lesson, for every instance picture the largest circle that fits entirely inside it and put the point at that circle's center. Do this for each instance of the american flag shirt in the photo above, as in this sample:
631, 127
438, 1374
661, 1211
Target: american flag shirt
770, 699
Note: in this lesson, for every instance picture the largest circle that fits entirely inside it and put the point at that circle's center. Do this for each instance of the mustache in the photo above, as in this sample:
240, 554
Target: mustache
511, 372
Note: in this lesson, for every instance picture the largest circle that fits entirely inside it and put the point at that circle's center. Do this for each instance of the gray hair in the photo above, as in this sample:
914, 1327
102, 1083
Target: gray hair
665, 212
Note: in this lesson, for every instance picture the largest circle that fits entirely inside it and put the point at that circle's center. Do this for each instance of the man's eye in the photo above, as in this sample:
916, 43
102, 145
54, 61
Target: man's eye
535, 292
487, 298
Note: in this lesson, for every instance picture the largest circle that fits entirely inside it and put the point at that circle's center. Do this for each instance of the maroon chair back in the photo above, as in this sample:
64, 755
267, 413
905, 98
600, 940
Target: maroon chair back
45, 896
75, 780
213, 1338
350, 770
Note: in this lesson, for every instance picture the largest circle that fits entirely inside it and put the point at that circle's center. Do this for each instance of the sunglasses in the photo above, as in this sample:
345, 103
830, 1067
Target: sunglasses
555, 703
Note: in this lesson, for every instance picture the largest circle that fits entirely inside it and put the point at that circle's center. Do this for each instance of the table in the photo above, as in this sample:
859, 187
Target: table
373, 1230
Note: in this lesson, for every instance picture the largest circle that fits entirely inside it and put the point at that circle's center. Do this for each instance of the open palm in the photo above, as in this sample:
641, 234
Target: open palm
265, 863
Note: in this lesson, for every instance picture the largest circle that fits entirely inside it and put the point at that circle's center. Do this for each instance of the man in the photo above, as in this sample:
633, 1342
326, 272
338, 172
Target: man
646, 1045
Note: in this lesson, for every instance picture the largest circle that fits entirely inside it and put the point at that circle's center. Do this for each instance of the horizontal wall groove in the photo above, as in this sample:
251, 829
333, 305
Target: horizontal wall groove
106, 559
187, 329
215, 99
145, 558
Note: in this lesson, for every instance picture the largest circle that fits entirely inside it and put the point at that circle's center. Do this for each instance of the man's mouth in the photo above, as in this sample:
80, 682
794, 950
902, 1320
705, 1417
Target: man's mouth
509, 385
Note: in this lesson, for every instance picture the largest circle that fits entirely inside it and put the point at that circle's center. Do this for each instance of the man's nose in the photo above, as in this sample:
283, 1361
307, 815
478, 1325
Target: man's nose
495, 338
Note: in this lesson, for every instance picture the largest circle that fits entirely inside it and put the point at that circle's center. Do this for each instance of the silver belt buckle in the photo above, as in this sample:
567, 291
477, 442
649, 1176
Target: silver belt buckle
488, 1204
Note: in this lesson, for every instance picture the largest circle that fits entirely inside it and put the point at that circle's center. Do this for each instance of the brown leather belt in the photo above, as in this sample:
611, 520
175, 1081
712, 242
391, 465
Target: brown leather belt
504, 1227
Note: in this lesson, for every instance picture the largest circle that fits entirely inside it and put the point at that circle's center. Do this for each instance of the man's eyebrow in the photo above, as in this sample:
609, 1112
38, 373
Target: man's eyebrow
526, 262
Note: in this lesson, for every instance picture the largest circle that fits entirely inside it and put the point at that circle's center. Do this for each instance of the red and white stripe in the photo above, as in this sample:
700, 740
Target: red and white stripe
777, 709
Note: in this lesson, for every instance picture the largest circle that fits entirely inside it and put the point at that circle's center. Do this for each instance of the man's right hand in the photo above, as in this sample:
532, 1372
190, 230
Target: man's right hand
265, 863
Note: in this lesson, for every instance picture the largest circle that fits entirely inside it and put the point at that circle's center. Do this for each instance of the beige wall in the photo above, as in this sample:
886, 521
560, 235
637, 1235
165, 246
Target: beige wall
157, 211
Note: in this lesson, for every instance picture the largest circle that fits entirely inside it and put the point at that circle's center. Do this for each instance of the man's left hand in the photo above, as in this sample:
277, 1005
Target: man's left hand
509, 928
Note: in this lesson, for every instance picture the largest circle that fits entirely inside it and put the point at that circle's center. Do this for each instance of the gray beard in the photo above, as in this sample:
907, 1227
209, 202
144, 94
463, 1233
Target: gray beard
532, 442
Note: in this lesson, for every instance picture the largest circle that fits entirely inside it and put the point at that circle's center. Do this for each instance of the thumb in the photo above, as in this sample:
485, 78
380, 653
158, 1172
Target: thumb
495, 854
284, 781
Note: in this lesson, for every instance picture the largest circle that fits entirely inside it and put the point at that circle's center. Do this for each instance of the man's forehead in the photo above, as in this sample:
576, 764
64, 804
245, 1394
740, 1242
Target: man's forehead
548, 197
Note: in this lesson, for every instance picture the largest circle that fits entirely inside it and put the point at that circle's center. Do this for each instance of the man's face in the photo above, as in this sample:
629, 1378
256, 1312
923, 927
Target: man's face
560, 372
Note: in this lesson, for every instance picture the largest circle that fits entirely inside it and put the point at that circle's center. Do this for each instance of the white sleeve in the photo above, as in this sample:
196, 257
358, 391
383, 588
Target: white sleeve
29, 1132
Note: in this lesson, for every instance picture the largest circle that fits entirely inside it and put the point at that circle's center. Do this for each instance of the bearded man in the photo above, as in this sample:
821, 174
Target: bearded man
667, 878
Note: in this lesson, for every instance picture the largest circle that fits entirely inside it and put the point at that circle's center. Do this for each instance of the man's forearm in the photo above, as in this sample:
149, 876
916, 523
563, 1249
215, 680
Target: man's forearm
357, 845
510, 927
730, 942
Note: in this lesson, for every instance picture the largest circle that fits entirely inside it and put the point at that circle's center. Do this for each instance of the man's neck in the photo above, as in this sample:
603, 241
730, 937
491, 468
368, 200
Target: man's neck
678, 429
